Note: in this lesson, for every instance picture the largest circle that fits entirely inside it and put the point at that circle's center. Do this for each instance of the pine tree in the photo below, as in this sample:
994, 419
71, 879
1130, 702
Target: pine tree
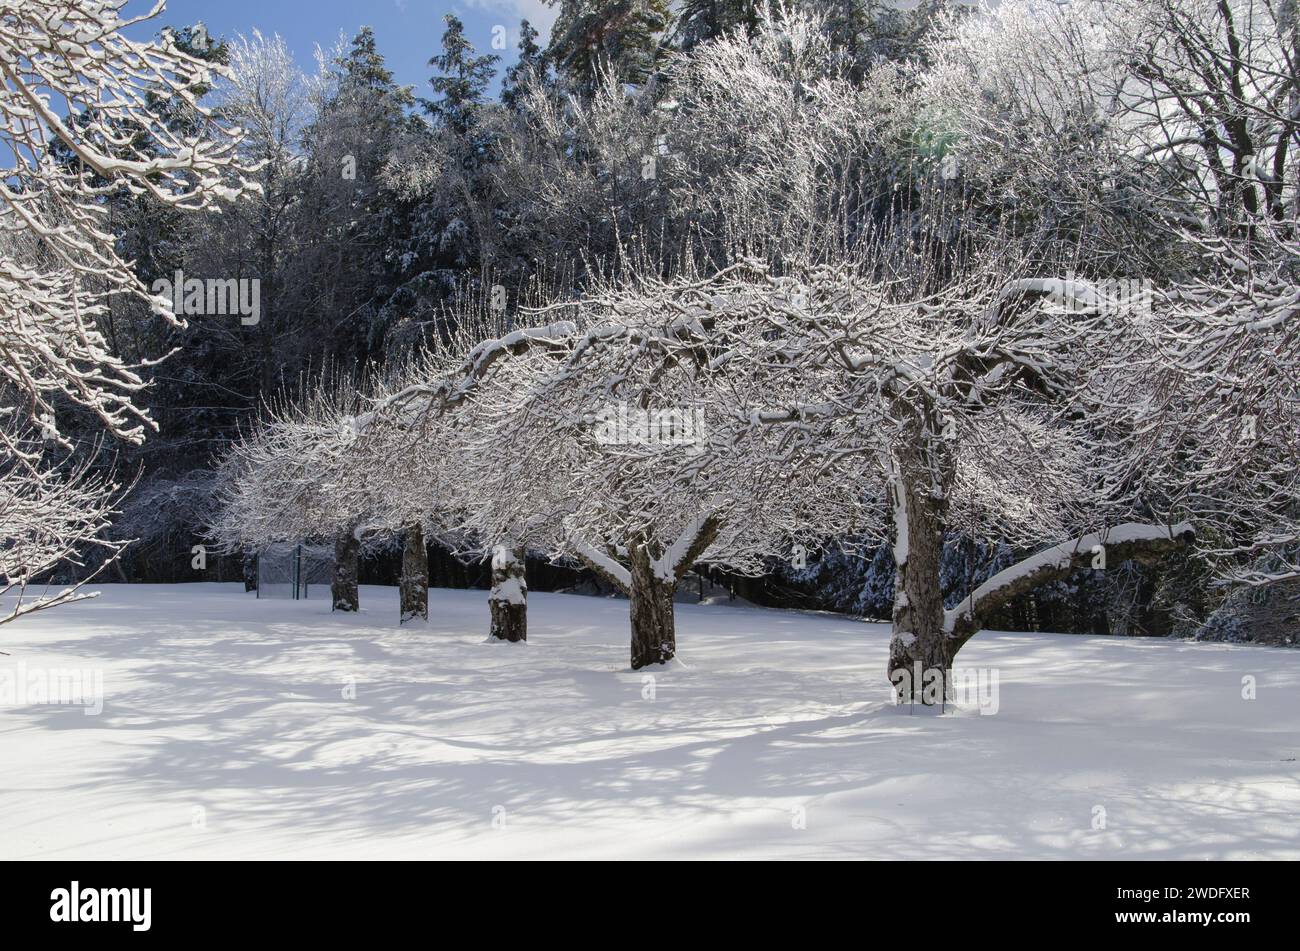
348, 221
703, 20
462, 80
367, 111
446, 215
625, 36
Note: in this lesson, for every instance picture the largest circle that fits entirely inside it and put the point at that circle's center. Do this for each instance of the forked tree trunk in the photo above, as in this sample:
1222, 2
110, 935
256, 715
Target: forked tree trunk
343, 589
508, 600
654, 634
413, 587
650, 579
926, 638
920, 653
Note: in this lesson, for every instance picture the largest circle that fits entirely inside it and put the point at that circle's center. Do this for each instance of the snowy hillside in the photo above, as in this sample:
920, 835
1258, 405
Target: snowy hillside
232, 727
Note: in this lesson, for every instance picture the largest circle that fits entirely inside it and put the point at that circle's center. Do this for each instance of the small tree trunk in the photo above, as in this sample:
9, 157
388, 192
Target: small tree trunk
343, 589
250, 571
654, 635
413, 587
920, 653
508, 600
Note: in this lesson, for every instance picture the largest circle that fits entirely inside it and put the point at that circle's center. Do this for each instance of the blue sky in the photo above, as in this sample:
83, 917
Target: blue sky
408, 31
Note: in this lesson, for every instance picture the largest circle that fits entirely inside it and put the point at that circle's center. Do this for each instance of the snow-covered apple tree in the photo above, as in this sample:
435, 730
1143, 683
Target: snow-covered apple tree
970, 398
81, 119
293, 476
1159, 140
612, 433
428, 420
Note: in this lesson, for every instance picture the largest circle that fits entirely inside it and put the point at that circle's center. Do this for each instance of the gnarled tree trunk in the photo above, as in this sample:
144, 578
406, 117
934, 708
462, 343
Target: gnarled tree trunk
343, 589
508, 600
650, 580
654, 633
920, 653
413, 587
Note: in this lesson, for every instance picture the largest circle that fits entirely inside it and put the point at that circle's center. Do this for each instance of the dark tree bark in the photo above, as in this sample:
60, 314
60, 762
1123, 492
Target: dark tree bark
343, 589
919, 651
249, 566
921, 476
650, 582
654, 632
508, 600
413, 586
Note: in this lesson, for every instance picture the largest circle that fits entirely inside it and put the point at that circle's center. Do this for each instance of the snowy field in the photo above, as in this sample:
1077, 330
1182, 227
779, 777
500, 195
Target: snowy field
275, 729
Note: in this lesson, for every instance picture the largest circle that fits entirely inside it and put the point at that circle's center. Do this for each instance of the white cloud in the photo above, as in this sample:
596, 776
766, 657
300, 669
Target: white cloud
541, 16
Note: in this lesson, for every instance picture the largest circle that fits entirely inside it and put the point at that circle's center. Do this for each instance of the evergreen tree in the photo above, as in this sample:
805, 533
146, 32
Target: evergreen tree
461, 82
703, 20
625, 36
439, 189
348, 222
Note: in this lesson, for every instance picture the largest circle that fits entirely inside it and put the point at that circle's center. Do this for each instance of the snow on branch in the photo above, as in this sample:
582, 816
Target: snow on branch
604, 565
1125, 542
84, 112
50, 517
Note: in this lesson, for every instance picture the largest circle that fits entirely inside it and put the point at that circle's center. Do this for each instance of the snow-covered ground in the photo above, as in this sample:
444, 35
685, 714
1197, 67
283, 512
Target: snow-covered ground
233, 727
